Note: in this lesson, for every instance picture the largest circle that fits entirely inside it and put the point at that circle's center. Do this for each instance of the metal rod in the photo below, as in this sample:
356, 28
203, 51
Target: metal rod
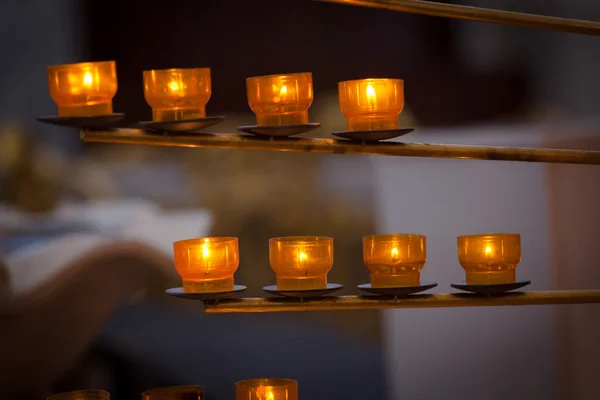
223, 141
251, 305
480, 14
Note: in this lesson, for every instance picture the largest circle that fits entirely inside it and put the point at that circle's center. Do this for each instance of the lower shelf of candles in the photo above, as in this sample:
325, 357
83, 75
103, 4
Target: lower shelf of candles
309, 145
249, 305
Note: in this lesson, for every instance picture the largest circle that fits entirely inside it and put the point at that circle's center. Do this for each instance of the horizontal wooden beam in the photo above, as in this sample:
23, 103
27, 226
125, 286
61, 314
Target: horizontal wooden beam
252, 305
480, 14
307, 145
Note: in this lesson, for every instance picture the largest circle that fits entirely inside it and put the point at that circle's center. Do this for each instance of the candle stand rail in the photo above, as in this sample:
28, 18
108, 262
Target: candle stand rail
479, 14
327, 303
308, 145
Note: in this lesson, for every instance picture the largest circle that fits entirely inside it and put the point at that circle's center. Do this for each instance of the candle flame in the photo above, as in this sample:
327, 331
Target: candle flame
371, 96
302, 257
87, 79
205, 251
173, 86
370, 92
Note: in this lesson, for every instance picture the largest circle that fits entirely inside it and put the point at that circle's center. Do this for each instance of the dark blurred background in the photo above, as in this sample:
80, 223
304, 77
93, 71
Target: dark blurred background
86, 229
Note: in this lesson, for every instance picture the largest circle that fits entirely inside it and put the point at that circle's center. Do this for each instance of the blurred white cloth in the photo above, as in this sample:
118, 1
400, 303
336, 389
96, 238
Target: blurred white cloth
109, 223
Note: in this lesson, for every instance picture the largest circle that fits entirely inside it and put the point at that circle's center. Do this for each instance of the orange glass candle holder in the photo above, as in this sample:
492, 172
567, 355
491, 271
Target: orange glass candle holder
301, 262
490, 259
207, 264
82, 395
395, 260
178, 93
371, 104
190, 392
266, 389
84, 89
280, 100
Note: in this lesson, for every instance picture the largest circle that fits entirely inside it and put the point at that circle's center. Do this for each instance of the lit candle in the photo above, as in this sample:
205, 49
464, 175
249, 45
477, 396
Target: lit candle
394, 260
490, 258
178, 93
301, 262
371, 104
266, 389
84, 89
207, 264
280, 100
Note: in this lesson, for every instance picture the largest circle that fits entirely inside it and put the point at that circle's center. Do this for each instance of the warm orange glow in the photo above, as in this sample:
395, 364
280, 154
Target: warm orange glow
488, 250
394, 260
173, 86
177, 93
205, 251
269, 395
371, 97
489, 259
207, 264
266, 389
302, 257
84, 89
371, 104
301, 262
279, 100
87, 80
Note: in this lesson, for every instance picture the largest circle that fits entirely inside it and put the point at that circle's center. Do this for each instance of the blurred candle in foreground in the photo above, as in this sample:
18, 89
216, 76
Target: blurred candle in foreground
395, 260
371, 104
301, 262
280, 100
178, 93
84, 89
490, 258
82, 395
266, 389
207, 264
190, 392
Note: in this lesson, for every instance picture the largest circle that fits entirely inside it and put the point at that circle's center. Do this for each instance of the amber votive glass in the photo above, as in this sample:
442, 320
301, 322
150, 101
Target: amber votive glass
84, 89
280, 100
371, 104
177, 93
301, 262
190, 392
395, 260
266, 389
491, 258
207, 264
82, 395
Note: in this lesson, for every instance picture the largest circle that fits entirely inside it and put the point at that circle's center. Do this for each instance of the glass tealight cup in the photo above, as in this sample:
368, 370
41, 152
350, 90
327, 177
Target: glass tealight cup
266, 389
489, 258
301, 262
280, 100
395, 260
177, 93
371, 104
207, 264
83, 89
